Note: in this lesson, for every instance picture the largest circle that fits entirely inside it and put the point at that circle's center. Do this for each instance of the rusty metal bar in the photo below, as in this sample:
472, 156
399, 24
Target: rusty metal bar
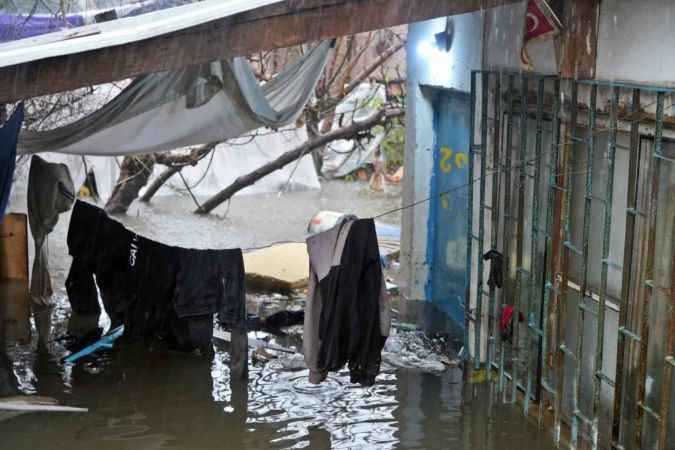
606, 230
590, 154
522, 179
469, 230
668, 212
549, 269
481, 220
570, 153
648, 273
629, 243
493, 327
507, 219
535, 273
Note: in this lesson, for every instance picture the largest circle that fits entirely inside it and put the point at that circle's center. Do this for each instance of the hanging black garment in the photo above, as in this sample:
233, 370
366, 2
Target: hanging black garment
350, 330
150, 287
496, 278
9, 135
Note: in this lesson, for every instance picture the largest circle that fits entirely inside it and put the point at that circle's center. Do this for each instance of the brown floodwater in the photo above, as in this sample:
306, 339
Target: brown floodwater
153, 398
141, 398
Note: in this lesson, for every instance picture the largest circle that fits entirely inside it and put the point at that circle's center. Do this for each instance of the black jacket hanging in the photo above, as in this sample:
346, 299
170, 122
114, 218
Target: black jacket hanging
347, 312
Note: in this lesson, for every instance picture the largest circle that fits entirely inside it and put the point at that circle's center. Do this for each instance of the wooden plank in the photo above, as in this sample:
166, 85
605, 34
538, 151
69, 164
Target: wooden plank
14, 247
14, 307
283, 25
579, 39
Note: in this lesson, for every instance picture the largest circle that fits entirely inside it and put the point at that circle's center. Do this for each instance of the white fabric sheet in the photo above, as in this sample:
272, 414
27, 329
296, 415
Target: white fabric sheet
192, 106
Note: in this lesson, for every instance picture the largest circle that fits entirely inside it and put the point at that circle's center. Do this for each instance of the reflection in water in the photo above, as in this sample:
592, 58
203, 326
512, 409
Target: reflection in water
150, 399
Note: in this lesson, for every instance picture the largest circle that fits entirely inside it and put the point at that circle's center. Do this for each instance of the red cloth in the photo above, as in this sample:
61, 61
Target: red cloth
507, 315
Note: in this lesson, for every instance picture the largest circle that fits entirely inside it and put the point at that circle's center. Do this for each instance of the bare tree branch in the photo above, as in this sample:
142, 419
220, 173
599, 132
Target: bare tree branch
349, 132
175, 163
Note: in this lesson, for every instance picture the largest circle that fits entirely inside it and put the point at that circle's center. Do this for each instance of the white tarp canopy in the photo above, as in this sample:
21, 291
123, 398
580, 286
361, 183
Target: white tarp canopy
123, 31
196, 105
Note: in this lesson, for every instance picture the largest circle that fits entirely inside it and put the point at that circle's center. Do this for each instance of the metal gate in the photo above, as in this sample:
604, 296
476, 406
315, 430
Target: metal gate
574, 184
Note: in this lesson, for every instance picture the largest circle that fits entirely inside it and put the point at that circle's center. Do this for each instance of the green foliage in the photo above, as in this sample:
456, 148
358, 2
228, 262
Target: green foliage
393, 145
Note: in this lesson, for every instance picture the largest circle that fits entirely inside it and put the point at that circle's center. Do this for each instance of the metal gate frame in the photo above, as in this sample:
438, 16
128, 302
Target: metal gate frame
535, 362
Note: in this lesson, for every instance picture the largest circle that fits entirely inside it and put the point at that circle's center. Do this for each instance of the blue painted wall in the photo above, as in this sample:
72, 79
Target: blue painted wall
429, 66
448, 214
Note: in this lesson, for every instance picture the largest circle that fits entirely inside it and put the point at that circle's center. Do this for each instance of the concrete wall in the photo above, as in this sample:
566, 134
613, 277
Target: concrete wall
429, 66
503, 40
637, 43
633, 45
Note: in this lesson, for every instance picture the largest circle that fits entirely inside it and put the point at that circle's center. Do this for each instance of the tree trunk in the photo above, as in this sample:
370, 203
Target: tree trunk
158, 183
244, 181
312, 126
134, 174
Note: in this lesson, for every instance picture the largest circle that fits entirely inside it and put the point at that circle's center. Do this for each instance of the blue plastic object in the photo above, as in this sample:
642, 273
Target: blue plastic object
106, 342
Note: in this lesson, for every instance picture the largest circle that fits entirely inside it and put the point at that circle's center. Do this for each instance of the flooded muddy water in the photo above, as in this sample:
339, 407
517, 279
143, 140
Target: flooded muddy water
142, 398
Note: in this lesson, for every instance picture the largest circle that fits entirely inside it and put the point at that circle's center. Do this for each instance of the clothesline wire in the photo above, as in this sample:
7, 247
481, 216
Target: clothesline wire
412, 205
194, 199
203, 176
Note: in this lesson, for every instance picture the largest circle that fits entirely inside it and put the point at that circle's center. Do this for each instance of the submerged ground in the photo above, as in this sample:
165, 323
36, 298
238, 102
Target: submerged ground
152, 398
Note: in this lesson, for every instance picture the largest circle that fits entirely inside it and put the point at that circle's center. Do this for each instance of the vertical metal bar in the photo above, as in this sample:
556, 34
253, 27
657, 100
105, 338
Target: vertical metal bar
469, 230
649, 271
550, 206
669, 364
606, 230
507, 219
570, 155
496, 155
634, 161
481, 215
590, 154
666, 379
535, 278
522, 179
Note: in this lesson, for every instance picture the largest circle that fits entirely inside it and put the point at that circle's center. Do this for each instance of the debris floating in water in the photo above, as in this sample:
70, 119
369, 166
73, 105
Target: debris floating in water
36, 404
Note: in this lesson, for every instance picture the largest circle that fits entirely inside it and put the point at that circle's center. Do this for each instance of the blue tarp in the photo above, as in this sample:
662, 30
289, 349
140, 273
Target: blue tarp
9, 135
17, 25
20, 26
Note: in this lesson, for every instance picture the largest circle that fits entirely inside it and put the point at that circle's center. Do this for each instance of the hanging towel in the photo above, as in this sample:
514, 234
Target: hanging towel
50, 193
9, 134
347, 313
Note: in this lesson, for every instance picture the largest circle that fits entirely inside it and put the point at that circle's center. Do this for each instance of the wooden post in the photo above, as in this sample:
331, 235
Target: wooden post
579, 39
14, 307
